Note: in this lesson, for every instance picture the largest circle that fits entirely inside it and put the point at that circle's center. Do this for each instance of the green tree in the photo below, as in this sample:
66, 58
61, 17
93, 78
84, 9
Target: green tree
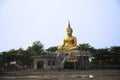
86, 47
21, 56
36, 48
11, 55
7, 57
52, 49
107, 56
1, 62
115, 55
102, 56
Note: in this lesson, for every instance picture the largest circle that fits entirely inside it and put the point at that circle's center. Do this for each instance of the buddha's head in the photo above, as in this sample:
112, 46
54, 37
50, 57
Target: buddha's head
69, 30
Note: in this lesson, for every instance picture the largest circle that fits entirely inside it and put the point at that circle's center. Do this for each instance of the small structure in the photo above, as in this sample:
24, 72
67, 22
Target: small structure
58, 60
46, 61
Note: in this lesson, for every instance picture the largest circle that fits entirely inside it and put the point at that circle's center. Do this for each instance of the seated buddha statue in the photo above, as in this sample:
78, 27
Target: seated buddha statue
69, 42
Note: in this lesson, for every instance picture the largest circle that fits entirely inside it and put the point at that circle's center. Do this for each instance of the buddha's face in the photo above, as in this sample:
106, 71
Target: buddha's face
69, 32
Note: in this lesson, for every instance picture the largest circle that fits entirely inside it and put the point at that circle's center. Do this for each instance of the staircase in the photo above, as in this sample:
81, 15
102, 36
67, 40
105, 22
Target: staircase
60, 60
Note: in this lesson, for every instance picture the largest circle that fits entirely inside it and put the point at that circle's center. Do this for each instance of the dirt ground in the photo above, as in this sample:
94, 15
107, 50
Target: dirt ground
61, 75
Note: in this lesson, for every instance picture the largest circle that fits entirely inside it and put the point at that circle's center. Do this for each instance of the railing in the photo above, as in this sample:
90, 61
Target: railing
60, 59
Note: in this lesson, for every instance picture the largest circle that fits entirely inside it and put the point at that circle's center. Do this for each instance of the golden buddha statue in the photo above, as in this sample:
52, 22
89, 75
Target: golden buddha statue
69, 42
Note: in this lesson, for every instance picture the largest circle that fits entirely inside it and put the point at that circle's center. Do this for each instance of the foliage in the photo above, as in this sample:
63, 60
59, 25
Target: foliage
102, 56
86, 47
115, 54
107, 56
52, 49
36, 48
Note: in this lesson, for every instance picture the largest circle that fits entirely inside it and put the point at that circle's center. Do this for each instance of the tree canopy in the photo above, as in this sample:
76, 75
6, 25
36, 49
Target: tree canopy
52, 49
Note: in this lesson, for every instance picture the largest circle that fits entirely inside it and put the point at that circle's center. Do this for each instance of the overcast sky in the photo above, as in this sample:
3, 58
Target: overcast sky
22, 22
